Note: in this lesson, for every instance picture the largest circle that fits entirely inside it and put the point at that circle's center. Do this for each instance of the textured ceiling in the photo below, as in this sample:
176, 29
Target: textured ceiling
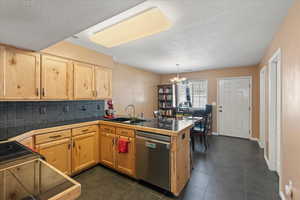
206, 34
36, 24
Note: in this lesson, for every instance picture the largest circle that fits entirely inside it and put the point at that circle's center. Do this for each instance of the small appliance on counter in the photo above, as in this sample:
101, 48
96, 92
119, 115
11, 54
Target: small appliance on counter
109, 111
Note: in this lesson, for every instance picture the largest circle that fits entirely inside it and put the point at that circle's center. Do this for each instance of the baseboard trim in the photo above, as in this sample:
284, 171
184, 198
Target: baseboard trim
267, 161
215, 133
282, 196
253, 139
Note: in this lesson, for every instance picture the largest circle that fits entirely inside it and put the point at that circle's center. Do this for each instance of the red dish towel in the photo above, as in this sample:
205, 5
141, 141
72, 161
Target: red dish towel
123, 145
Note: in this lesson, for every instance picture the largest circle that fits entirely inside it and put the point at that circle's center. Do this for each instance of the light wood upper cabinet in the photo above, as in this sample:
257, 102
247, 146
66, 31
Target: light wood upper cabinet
58, 154
56, 78
19, 74
103, 82
84, 152
125, 162
107, 149
83, 81
26, 75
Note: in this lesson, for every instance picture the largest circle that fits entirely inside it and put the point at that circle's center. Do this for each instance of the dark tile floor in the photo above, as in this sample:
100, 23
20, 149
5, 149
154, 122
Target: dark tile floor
231, 169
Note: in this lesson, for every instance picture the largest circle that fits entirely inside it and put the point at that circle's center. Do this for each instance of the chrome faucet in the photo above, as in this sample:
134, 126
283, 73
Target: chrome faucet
133, 108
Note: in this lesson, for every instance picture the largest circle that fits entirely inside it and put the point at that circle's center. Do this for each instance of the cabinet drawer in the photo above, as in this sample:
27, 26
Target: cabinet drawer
107, 129
84, 129
125, 132
48, 137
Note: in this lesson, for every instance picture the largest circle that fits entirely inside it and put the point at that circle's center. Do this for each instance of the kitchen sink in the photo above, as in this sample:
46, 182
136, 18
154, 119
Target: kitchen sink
128, 120
136, 121
121, 119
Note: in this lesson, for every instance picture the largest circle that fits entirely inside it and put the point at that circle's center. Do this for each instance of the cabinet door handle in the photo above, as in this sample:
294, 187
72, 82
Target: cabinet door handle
13, 60
43, 92
85, 130
73, 144
37, 92
69, 146
54, 136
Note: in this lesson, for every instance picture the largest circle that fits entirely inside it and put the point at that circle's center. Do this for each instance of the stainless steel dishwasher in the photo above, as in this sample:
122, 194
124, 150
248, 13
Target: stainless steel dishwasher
153, 159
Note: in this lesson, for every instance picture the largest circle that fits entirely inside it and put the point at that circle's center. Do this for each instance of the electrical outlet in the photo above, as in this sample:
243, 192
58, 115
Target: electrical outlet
66, 108
83, 108
43, 110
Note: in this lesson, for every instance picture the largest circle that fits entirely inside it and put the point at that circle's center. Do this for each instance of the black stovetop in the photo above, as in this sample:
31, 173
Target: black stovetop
13, 150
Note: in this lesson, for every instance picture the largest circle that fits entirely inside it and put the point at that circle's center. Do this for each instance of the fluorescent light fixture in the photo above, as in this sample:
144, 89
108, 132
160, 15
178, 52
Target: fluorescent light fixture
144, 24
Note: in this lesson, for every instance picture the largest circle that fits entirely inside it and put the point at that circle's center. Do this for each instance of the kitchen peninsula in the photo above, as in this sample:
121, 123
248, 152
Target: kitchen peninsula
73, 146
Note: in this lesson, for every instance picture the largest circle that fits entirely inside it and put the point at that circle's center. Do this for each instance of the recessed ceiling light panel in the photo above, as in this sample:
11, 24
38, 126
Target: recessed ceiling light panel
149, 22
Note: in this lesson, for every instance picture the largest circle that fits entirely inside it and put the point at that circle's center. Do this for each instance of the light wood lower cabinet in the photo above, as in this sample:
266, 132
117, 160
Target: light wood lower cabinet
180, 157
84, 151
58, 154
109, 153
125, 162
70, 151
107, 150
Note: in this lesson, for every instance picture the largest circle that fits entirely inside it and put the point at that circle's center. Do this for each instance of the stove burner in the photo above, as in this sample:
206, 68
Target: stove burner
12, 150
7, 148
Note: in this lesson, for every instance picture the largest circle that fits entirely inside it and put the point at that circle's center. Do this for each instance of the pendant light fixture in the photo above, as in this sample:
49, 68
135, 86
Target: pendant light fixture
177, 78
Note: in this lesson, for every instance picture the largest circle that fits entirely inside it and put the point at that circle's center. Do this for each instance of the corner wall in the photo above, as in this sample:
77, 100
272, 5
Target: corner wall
134, 86
288, 39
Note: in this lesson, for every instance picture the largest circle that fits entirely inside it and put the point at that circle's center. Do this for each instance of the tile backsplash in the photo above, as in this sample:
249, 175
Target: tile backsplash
18, 117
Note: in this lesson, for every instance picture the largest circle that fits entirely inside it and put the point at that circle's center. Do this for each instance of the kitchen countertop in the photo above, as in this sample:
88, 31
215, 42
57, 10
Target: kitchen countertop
162, 126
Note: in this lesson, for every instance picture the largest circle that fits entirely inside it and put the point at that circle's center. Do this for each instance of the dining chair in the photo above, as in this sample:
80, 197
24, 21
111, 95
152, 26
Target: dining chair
202, 128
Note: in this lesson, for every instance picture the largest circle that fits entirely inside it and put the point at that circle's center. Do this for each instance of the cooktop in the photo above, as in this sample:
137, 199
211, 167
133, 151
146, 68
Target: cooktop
13, 150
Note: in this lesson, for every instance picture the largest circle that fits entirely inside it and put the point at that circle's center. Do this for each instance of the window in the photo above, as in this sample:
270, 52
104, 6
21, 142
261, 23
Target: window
192, 94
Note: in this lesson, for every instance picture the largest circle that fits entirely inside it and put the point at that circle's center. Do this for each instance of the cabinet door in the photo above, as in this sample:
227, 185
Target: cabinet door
56, 77
58, 154
107, 150
19, 74
103, 83
83, 81
125, 162
84, 153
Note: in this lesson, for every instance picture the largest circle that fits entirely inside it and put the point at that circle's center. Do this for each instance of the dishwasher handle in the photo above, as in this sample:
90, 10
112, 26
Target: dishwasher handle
152, 140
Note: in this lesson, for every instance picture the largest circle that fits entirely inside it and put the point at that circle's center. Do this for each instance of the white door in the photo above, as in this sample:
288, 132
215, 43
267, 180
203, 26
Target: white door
234, 108
275, 111
262, 108
272, 114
